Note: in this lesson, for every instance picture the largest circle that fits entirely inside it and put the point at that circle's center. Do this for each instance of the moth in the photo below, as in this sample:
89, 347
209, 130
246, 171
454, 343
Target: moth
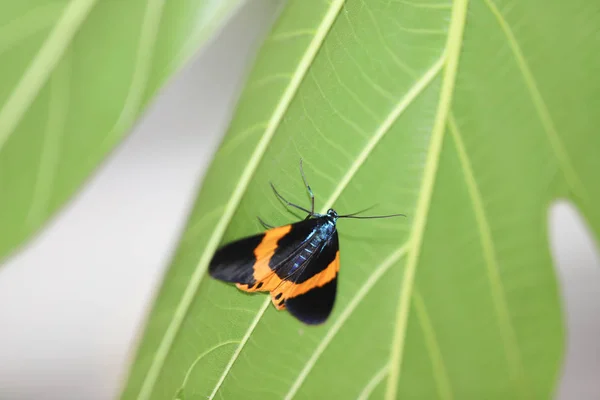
297, 263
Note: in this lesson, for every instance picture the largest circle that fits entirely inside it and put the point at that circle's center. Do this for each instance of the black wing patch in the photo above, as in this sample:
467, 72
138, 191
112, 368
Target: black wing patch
314, 306
233, 262
312, 297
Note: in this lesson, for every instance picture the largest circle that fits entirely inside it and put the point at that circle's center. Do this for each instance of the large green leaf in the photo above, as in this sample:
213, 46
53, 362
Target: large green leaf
74, 77
470, 117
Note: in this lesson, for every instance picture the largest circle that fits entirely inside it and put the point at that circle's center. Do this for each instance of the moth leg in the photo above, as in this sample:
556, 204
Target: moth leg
264, 224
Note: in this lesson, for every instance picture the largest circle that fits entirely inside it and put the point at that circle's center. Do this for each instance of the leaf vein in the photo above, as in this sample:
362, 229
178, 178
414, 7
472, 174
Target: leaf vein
58, 108
240, 347
492, 268
402, 105
194, 282
385, 126
440, 373
366, 287
367, 78
200, 357
141, 73
453, 46
352, 94
27, 25
42, 65
374, 382
324, 137
571, 175
337, 112
401, 64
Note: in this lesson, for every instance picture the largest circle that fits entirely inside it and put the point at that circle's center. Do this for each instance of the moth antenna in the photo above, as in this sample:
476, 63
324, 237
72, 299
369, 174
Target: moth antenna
361, 211
372, 216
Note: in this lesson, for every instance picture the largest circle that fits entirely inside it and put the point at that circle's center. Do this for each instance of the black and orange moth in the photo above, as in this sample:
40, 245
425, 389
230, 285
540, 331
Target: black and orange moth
297, 263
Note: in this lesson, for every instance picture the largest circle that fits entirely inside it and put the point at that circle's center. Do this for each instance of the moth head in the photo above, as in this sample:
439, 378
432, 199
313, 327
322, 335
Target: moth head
332, 214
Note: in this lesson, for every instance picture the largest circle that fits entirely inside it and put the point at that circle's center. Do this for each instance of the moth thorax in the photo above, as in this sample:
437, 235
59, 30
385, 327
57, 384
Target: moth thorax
326, 230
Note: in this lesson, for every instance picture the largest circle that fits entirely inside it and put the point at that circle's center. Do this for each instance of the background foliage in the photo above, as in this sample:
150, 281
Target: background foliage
470, 117
74, 77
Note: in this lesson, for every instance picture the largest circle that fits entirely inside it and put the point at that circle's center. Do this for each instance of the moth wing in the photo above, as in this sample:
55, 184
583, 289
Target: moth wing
233, 262
251, 262
310, 295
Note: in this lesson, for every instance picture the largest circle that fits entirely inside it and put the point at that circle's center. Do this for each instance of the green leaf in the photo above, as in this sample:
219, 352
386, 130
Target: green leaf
471, 118
74, 77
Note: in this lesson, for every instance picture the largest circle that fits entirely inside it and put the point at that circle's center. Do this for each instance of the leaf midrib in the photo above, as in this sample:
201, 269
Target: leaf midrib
197, 276
380, 132
452, 48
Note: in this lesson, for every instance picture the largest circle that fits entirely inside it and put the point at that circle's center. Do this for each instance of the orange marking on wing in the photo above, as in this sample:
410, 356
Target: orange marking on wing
272, 283
279, 304
263, 253
320, 279
289, 289
244, 287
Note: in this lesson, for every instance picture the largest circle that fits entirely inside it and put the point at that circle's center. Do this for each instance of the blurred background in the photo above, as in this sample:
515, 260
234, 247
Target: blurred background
73, 301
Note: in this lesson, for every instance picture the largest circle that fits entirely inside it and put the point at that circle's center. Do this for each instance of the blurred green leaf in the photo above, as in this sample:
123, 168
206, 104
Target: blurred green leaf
74, 77
470, 117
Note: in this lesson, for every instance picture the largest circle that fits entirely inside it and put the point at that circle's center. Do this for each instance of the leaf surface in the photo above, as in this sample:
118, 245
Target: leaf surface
470, 117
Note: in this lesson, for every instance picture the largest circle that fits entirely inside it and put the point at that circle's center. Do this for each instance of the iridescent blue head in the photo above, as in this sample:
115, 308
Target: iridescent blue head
332, 216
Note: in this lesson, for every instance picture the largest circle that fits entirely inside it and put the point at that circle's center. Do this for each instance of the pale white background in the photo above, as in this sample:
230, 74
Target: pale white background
72, 301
